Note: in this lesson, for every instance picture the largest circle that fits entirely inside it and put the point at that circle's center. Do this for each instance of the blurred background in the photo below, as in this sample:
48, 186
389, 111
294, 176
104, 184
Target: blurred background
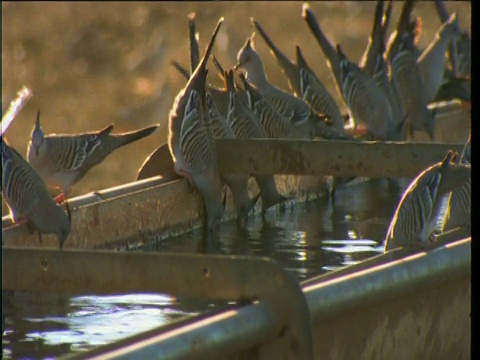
91, 64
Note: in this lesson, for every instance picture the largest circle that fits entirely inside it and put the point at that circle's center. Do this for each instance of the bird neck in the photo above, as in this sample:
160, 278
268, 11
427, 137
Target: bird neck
256, 73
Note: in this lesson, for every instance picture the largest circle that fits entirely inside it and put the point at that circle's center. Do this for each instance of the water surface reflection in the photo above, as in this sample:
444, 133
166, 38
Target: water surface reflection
307, 239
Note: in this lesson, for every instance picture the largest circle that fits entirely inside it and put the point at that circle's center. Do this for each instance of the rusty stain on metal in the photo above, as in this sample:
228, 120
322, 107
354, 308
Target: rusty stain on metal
307, 157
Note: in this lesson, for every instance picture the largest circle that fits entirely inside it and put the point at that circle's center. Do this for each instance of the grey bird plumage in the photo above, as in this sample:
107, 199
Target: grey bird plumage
463, 55
294, 109
376, 39
402, 28
418, 212
304, 83
219, 96
459, 50
28, 198
290, 69
329, 51
432, 61
298, 112
407, 80
274, 124
366, 102
460, 209
190, 142
245, 126
238, 183
219, 129
382, 79
64, 159
316, 94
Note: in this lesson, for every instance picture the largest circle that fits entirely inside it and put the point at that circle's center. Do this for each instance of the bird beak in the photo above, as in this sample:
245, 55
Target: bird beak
236, 67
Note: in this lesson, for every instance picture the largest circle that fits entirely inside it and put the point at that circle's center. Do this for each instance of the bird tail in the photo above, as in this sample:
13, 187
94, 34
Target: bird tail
284, 61
129, 137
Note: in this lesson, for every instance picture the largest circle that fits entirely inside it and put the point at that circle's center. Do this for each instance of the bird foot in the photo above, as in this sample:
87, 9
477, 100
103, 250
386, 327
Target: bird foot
190, 184
30, 227
415, 246
60, 198
360, 131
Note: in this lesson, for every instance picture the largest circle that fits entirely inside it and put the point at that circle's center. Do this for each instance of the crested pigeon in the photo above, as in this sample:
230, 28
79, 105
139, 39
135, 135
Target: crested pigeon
403, 24
315, 93
330, 53
28, 198
245, 126
275, 125
408, 83
304, 83
463, 51
432, 61
238, 183
396, 130
219, 96
190, 142
290, 69
376, 39
297, 111
366, 102
459, 50
64, 159
418, 212
459, 211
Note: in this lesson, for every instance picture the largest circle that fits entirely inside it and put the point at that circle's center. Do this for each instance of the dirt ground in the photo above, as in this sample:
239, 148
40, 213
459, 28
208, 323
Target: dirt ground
91, 64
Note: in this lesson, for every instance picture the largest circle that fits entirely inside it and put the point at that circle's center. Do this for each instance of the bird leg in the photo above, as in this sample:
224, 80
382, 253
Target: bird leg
415, 246
190, 184
30, 226
360, 131
224, 199
60, 198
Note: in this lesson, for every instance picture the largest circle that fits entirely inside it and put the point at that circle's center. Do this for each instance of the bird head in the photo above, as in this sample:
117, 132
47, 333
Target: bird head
38, 138
246, 54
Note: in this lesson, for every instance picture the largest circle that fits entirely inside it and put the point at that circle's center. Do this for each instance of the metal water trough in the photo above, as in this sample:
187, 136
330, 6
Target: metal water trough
392, 306
395, 305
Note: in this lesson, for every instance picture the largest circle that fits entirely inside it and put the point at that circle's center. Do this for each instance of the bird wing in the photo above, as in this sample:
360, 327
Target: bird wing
69, 153
194, 138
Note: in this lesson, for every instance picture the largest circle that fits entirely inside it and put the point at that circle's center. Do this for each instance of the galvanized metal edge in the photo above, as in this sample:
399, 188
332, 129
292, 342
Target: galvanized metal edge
327, 298
241, 278
333, 295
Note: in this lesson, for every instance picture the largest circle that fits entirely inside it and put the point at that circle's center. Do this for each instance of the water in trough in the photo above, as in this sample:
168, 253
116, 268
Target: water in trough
307, 239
